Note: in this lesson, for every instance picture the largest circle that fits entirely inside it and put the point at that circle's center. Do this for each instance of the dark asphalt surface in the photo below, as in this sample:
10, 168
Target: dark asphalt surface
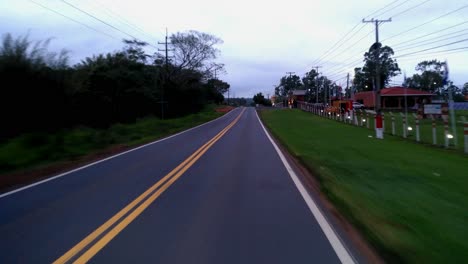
236, 204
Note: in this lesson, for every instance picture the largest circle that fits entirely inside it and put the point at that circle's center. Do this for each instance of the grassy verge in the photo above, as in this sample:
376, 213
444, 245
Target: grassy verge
30, 151
408, 199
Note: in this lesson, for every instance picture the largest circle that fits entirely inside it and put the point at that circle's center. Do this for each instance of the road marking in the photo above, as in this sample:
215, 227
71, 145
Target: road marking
166, 182
106, 159
332, 237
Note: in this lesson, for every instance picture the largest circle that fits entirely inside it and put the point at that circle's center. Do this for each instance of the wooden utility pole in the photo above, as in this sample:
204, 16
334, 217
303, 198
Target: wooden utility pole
378, 109
316, 82
166, 76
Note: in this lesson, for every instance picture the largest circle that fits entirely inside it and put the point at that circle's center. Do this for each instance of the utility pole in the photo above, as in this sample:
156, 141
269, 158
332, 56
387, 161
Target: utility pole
347, 85
378, 110
290, 74
316, 82
166, 50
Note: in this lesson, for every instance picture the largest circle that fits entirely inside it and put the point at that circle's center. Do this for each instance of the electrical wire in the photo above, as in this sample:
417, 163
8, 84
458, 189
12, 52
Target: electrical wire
413, 47
323, 56
430, 34
427, 22
448, 44
111, 13
438, 37
74, 20
393, 8
409, 9
102, 21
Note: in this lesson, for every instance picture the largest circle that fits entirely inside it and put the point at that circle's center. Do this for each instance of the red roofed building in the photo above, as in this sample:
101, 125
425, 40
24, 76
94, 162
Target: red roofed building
394, 97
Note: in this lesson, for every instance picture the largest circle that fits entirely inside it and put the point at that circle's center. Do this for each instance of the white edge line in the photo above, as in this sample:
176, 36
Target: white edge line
332, 237
108, 158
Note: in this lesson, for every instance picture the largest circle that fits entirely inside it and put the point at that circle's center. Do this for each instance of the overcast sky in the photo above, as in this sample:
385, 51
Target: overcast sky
262, 39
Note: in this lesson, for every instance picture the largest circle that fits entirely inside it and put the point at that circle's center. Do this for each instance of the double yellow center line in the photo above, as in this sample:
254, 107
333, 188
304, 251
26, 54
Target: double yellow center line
138, 206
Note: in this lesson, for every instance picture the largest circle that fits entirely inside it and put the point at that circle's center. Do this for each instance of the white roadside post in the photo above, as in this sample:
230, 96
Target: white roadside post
356, 118
367, 119
404, 124
383, 123
465, 133
434, 132
446, 130
416, 118
393, 123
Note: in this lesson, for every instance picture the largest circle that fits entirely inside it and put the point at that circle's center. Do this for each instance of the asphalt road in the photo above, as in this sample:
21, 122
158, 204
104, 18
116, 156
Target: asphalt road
234, 201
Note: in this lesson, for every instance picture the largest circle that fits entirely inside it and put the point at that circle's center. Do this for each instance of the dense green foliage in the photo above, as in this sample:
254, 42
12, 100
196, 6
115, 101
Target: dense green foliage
261, 100
387, 68
36, 149
40, 92
410, 202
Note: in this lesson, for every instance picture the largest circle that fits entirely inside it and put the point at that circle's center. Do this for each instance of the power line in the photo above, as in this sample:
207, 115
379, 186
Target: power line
351, 46
425, 23
375, 12
436, 52
430, 34
343, 39
448, 44
417, 38
74, 20
334, 45
102, 21
409, 9
120, 18
381, 14
432, 42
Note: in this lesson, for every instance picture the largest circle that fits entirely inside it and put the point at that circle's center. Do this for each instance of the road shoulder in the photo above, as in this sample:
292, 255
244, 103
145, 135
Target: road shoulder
346, 232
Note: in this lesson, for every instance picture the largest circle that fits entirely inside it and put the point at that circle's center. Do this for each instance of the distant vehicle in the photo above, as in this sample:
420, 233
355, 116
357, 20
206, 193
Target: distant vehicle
357, 105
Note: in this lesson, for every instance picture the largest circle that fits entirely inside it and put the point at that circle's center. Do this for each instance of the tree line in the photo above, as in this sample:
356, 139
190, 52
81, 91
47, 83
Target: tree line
40, 91
429, 77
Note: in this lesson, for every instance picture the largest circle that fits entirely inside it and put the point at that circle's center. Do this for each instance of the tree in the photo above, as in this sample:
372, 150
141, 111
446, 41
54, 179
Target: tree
362, 80
465, 89
310, 81
287, 84
261, 100
215, 89
431, 77
388, 67
194, 50
35, 81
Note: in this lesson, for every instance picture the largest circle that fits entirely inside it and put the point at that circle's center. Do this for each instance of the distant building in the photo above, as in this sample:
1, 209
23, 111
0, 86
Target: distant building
394, 98
297, 96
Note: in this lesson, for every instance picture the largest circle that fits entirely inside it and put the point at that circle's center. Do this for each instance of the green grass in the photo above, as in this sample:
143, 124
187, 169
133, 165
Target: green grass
40, 149
410, 200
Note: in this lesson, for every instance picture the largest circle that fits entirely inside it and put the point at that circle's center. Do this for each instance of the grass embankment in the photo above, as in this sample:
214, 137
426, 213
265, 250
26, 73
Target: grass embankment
31, 151
408, 199
425, 128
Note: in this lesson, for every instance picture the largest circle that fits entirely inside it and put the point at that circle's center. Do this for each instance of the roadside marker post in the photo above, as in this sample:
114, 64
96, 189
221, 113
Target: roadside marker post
367, 119
446, 130
383, 122
465, 133
434, 132
361, 117
379, 126
355, 117
393, 123
416, 118
404, 124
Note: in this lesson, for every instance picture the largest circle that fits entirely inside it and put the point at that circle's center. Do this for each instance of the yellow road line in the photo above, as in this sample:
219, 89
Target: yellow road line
181, 167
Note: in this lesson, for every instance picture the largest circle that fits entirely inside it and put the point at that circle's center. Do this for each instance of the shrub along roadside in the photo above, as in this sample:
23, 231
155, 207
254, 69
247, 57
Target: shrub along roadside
32, 151
408, 199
